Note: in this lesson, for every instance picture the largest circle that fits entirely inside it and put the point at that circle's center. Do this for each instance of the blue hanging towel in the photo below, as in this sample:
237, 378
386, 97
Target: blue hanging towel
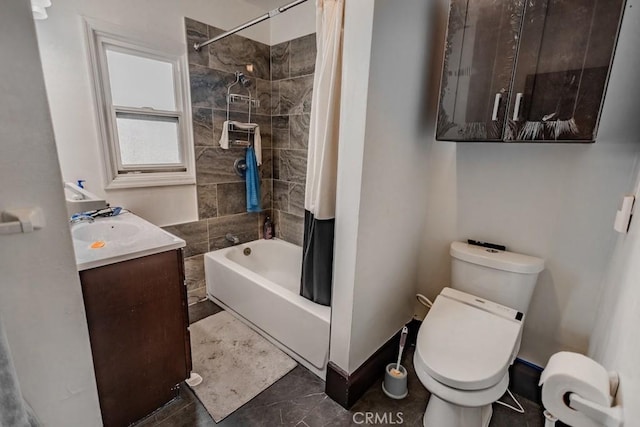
252, 178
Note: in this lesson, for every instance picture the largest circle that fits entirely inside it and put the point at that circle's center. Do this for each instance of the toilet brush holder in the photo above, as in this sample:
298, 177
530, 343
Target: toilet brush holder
395, 384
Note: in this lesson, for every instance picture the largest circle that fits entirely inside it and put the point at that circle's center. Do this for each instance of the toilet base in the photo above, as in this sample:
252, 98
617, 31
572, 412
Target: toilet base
441, 413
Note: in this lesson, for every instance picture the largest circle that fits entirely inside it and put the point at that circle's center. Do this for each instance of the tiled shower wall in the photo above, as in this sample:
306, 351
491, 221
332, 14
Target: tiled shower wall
282, 80
292, 67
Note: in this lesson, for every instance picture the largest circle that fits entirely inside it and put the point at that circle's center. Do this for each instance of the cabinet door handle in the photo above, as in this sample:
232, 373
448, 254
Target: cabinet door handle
496, 107
516, 108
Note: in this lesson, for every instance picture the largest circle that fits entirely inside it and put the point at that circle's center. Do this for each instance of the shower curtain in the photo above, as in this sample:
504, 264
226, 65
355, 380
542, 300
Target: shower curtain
322, 162
14, 411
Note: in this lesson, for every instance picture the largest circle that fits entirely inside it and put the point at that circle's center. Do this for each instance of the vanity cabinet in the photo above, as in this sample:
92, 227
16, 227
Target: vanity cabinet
138, 319
533, 70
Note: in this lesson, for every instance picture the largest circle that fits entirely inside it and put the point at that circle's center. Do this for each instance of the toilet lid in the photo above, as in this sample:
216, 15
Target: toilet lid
466, 342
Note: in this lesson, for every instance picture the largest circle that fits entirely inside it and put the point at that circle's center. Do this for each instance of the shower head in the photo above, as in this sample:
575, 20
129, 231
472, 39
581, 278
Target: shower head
242, 79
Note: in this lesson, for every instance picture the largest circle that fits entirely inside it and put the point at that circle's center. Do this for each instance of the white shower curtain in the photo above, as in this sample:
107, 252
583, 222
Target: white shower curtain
322, 162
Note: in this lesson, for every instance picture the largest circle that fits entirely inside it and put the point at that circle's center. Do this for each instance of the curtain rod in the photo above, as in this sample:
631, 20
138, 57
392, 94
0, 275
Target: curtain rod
270, 14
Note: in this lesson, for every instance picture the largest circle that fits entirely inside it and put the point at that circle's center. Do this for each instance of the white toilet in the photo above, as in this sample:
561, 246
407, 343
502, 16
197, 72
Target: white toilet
472, 334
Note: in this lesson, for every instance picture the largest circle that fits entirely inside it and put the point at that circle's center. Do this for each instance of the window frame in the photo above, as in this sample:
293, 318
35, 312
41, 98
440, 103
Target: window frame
116, 174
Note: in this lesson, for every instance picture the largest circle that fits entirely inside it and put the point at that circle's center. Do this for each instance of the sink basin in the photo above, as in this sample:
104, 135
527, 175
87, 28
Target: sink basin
106, 230
119, 238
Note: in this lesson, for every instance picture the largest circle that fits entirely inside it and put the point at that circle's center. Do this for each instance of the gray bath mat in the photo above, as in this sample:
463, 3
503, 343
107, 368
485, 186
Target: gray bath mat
235, 362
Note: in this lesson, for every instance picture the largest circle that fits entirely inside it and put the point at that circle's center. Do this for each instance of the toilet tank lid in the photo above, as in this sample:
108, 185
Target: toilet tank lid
500, 260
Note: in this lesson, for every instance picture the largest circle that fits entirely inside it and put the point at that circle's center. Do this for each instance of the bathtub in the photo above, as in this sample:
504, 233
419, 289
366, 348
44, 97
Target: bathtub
262, 289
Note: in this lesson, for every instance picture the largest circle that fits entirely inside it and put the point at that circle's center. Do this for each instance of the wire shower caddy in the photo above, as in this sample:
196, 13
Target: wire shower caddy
236, 98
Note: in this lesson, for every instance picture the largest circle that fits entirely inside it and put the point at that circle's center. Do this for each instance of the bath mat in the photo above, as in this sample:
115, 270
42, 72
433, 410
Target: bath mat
235, 363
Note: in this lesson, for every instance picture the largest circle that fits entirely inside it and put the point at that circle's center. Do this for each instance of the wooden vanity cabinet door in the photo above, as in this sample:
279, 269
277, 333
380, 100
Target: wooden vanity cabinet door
136, 313
564, 58
482, 41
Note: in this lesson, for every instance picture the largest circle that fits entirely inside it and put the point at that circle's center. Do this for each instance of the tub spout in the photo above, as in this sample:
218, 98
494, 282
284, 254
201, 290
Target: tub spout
233, 239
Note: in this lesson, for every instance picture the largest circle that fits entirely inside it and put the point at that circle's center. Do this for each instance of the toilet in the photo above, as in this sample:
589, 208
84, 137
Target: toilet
472, 334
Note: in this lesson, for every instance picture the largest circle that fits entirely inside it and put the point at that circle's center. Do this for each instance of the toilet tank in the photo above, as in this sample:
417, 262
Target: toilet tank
504, 277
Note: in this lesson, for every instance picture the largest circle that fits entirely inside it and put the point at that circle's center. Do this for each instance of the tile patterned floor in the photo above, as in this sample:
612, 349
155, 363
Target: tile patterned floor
298, 399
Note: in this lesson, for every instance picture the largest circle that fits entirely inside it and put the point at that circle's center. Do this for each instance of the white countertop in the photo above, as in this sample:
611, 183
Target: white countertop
120, 238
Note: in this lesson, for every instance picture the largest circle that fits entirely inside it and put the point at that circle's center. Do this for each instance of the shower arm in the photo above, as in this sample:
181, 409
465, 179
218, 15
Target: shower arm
270, 14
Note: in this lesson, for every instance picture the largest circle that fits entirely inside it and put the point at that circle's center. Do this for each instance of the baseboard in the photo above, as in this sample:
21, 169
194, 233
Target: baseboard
337, 385
346, 389
413, 325
524, 378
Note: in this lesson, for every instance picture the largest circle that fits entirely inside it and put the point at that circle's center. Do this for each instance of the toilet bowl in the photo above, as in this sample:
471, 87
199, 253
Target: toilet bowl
472, 333
463, 352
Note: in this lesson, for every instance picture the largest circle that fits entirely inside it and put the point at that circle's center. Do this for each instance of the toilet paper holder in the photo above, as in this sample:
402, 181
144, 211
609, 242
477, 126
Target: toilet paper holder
606, 416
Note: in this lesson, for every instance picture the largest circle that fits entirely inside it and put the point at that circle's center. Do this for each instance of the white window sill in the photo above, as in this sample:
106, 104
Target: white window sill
157, 179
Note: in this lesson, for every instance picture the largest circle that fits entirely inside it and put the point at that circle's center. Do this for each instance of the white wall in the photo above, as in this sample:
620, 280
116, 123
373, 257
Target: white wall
358, 28
67, 75
40, 296
613, 342
554, 201
382, 167
296, 22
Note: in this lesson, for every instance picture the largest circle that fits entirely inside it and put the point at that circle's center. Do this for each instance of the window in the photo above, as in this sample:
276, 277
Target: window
143, 112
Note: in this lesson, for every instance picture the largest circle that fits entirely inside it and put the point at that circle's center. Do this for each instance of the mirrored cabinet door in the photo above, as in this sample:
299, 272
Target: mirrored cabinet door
482, 41
563, 62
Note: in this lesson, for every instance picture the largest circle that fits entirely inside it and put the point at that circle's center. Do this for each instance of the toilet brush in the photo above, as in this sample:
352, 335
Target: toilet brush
395, 375
403, 339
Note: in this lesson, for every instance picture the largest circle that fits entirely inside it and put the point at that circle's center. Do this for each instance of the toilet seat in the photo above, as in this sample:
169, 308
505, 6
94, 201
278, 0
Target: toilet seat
466, 398
467, 343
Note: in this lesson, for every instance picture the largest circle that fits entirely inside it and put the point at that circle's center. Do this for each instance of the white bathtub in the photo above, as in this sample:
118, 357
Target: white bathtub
263, 288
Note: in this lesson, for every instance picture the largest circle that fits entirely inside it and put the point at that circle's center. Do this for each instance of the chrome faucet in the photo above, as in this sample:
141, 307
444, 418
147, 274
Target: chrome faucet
76, 219
233, 239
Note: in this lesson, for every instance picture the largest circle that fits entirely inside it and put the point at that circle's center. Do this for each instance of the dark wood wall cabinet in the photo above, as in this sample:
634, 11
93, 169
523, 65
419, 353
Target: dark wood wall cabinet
138, 320
533, 70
